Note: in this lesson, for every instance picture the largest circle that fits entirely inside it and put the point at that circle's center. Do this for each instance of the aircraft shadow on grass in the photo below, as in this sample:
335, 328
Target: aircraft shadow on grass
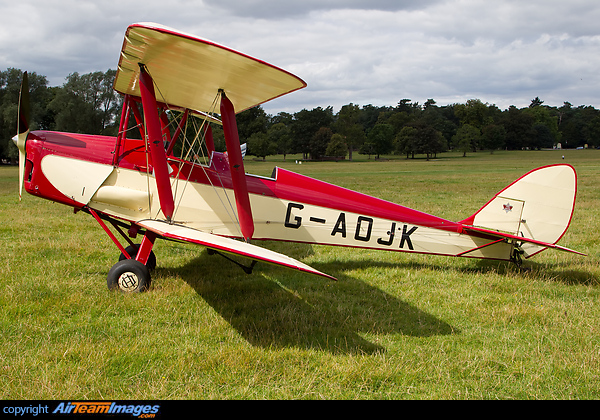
550, 272
276, 308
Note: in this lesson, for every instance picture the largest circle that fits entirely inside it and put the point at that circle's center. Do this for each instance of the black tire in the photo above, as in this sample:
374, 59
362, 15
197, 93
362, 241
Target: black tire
133, 250
129, 276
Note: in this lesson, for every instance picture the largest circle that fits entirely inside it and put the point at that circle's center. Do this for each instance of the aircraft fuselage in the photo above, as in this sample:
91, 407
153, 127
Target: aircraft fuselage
78, 170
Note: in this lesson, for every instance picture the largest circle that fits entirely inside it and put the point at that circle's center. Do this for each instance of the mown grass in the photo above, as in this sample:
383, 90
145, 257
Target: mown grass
395, 326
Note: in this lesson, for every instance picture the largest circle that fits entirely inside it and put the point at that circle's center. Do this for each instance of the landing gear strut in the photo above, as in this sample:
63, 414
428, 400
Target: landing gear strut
133, 251
516, 258
247, 269
132, 272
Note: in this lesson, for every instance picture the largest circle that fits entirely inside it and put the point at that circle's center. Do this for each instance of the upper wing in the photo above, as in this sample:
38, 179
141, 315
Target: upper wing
221, 243
189, 71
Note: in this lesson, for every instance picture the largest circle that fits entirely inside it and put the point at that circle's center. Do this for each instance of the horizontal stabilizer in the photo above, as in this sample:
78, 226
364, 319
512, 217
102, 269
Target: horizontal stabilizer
515, 238
232, 246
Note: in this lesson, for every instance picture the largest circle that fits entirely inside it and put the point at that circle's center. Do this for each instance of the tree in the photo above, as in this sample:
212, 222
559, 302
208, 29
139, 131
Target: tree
337, 147
250, 121
259, 145
589, 115
348, 126
319, 141
519, 128
39, 96
543, 137
283, 117
406, 141
541, 115
493, 137
280, 135
583, 119
430, 141
406, 105
536, 102
429, 104
355, 137
219, 138
381, 137
398, 120
474, 113
593, 132
87, 104
306, 124
370, 116
367, 148
465, 137
110, 102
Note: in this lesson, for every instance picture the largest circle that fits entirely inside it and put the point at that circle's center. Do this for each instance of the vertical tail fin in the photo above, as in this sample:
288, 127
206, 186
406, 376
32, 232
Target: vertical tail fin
537, 206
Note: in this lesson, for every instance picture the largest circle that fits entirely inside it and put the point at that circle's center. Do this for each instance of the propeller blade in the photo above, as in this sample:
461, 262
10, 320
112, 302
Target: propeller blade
23, 122
21, 165
22, 129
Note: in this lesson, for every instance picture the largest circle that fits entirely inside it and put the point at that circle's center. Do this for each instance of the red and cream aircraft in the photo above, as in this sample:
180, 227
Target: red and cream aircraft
172, 81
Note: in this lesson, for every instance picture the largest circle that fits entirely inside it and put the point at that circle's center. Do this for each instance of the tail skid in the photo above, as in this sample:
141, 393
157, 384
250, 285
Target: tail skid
533, 212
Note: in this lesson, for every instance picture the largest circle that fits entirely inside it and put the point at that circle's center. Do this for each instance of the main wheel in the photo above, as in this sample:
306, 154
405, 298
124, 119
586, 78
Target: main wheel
133, 250
129, 276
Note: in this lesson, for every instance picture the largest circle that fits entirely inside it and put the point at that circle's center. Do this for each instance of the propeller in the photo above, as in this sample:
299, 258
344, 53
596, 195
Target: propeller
22, 129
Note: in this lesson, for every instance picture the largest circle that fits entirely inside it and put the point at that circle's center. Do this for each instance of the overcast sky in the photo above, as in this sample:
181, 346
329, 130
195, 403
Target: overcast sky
504, 52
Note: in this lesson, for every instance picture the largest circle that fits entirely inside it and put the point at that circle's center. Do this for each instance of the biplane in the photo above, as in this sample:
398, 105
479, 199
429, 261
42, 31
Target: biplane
163, 183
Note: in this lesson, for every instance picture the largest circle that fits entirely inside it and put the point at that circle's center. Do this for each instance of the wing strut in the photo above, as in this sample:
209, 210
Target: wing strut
236, 166
156, 145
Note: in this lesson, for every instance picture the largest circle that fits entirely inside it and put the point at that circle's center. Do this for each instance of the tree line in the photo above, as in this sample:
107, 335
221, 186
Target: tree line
87, 103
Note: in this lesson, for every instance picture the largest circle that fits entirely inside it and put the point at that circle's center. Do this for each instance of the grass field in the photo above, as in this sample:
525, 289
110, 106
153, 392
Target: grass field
395, 326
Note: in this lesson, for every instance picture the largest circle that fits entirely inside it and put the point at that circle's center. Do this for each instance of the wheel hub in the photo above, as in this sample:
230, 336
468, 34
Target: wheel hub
128, 281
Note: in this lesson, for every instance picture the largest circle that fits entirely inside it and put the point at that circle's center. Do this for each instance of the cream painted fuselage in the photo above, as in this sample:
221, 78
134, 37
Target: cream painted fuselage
79, 170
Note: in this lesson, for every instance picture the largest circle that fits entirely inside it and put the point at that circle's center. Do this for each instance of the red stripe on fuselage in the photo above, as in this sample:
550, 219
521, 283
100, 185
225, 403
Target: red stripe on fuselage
303, 189
287, 185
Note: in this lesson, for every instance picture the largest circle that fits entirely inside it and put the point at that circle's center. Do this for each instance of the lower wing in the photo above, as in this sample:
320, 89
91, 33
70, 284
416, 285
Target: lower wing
232, 246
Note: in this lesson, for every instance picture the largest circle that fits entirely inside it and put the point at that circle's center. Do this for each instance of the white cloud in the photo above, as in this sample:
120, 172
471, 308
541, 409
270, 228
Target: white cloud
277, 9
506, 52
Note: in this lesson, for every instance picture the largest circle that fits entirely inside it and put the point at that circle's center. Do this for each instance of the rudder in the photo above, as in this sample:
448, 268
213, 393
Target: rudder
538, 206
